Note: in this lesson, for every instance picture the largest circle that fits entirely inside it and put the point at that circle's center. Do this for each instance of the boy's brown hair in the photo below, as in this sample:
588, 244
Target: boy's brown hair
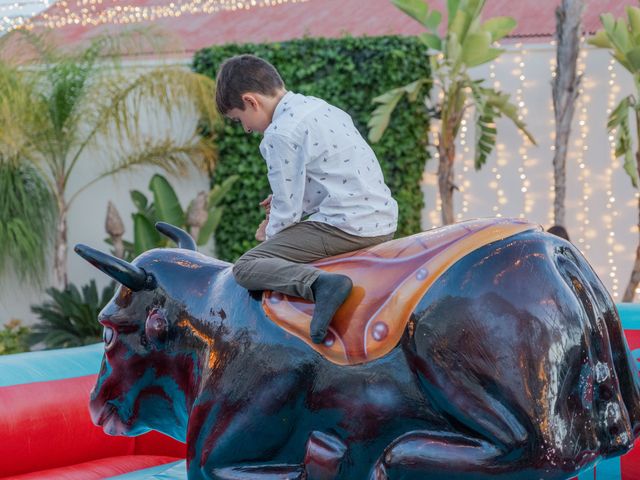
242, 74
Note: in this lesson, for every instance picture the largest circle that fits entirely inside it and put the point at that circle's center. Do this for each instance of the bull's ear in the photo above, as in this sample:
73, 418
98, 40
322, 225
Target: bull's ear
179, 236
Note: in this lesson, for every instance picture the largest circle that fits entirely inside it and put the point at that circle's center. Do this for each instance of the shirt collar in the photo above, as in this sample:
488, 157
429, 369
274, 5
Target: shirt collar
282, 105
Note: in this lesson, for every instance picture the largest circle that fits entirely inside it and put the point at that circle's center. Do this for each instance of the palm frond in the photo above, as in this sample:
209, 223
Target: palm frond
486, 132
27, 213
387, 103
120, 106
491, 104
618, 124
69, 317
18, 112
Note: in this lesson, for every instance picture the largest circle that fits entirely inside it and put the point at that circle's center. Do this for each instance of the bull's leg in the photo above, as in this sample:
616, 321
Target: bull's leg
324, 455
425, 454
478, 406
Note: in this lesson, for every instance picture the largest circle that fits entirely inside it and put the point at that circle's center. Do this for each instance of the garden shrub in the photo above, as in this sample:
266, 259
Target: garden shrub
14, 337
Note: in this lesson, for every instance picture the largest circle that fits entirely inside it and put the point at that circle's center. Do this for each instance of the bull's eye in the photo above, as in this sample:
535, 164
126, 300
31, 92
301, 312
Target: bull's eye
107, 336
156, 326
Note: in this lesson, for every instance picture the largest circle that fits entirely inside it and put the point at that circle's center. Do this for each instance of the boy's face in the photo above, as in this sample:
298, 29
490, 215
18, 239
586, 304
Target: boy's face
255, 117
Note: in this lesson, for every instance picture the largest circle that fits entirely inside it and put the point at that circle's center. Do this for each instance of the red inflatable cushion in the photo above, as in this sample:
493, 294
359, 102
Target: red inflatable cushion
46, 425
97, 469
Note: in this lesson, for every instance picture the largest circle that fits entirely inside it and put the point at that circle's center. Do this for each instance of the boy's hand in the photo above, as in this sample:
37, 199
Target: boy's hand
266, 203
261, 233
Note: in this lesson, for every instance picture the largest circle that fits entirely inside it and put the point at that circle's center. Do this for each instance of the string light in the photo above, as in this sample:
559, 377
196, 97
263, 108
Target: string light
586, 231
497, 171
467, 164
615, 163
11, 7
430, 179
552, 136
19, 12
99, 12
523, 151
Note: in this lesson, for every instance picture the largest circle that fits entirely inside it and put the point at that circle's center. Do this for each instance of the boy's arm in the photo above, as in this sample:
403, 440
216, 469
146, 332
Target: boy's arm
287, 173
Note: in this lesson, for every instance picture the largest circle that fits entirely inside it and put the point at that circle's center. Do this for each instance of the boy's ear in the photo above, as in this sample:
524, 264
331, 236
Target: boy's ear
250, 100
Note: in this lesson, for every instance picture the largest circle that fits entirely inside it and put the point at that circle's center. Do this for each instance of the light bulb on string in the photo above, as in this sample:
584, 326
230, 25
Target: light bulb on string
523, 151
586, 231
61, 15
610, 205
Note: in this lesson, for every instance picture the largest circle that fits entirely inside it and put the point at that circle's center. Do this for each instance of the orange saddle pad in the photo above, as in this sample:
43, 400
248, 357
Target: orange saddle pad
389, 280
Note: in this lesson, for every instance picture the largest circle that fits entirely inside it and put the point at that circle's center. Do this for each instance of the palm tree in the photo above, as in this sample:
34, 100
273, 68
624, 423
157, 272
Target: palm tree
622, 38
26, 204
466, 44
85, 102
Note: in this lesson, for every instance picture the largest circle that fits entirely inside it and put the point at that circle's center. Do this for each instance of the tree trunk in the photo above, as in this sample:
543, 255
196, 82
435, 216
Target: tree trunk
565, 89
60, 252
634, 280
446, 186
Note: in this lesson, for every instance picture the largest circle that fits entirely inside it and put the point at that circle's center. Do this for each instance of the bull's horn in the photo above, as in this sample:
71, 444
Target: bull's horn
123, 272
179, 236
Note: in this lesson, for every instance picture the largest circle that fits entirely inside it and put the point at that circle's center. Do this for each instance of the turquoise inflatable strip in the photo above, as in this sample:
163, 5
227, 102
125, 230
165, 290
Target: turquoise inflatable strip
169, 471
49, 365
609, 470
587, 474
629, 315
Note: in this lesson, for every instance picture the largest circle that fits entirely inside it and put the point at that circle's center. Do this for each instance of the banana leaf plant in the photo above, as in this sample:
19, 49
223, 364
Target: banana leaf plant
200, 219
468, 42
622, 38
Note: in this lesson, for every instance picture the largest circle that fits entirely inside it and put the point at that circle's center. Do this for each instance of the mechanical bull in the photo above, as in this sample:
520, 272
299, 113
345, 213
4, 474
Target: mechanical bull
486, 349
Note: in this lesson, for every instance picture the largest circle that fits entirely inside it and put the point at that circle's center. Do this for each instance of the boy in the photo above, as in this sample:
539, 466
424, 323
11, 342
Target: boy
319, 167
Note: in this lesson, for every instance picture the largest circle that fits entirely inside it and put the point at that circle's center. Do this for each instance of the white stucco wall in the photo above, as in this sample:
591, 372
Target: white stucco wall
601, 204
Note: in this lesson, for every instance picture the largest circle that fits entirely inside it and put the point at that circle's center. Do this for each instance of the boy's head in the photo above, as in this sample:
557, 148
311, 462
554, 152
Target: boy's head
248, 89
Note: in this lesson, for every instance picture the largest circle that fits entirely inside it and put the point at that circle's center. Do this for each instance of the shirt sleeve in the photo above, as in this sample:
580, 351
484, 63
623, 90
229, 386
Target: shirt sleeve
286, 172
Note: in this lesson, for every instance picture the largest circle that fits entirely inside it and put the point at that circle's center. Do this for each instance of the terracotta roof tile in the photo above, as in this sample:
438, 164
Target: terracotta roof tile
331, 18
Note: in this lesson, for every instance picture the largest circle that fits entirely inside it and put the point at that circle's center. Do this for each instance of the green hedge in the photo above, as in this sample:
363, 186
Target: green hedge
348, 73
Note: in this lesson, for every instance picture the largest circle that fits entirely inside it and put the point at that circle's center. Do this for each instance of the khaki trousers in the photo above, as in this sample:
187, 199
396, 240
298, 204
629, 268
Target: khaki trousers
279, 263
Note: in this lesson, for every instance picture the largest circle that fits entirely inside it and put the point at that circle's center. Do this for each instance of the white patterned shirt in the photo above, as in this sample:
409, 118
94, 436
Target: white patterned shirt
320, 166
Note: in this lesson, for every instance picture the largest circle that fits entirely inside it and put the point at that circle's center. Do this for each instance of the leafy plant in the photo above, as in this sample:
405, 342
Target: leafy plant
347, 72
69, 318
81, 100
622, 38
13, 338
201, 219
468, 42
27, 209
26, 220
